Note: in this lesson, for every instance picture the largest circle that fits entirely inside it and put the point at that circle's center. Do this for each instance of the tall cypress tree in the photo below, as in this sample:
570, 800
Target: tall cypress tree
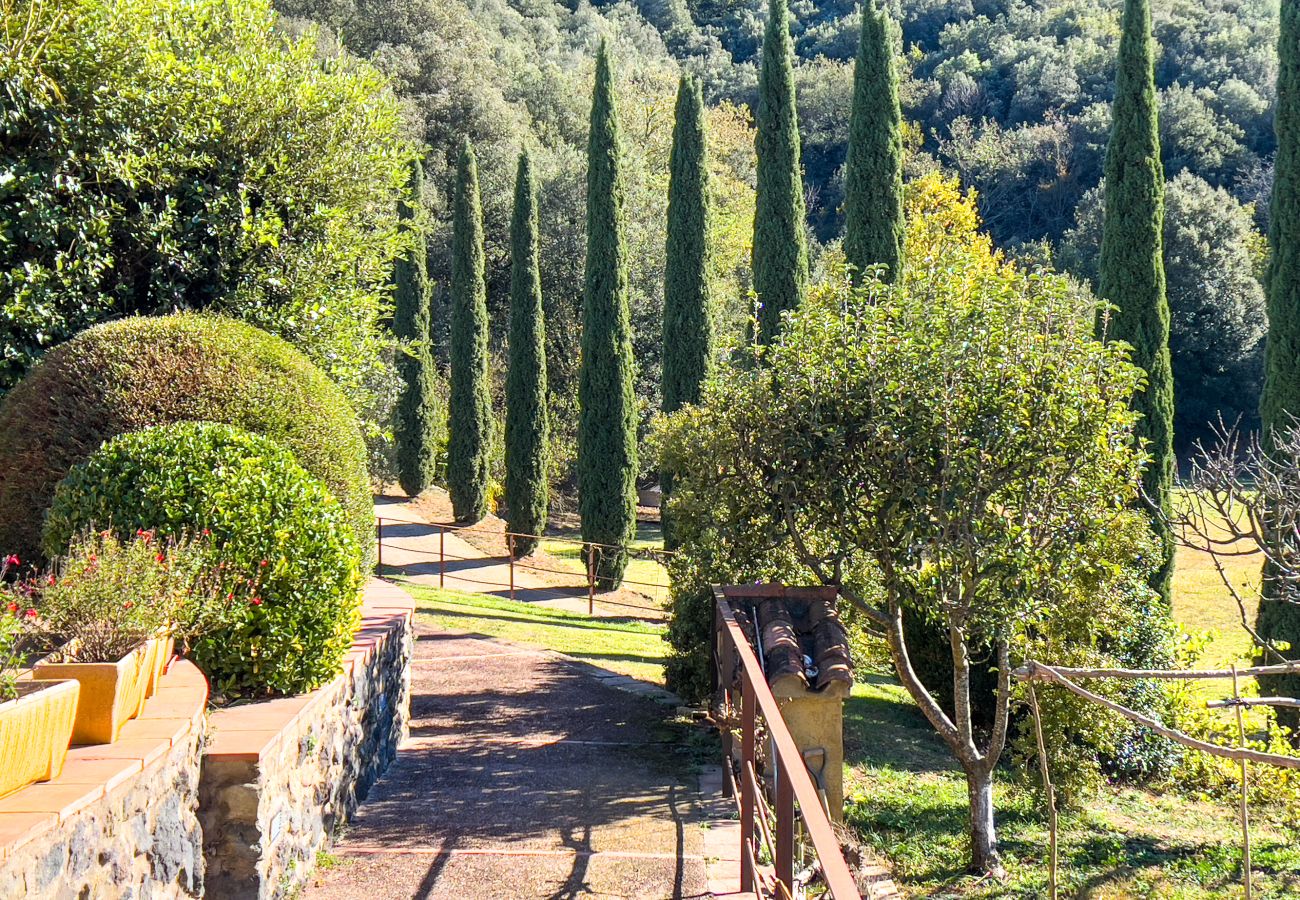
418, 414
780, 260
1279, 620
607, 420
1132, 271
470, 410
873, 170
688, 323
527, 428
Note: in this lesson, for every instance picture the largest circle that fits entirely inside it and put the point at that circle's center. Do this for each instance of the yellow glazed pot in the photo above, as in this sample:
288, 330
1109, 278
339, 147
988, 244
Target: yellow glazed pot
163, 648
35, 729
111, 693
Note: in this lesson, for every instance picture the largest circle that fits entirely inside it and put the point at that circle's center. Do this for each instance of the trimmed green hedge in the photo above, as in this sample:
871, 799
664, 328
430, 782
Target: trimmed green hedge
141, 372
270, 521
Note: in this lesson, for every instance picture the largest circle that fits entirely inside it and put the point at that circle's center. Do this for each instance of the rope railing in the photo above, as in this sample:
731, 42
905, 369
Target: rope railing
594, 551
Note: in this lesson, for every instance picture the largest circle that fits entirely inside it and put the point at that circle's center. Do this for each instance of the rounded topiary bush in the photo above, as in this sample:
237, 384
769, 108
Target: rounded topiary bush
137, 373
269, 520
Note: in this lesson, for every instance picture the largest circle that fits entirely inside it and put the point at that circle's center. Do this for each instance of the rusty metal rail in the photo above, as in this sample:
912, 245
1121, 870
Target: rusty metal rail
796, 799
591, 551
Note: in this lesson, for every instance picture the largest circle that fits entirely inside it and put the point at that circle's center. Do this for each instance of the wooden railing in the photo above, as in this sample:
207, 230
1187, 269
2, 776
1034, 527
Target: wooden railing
768, 826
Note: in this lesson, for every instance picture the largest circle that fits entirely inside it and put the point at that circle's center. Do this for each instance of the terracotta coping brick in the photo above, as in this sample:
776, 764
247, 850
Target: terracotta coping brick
16, 829
92, 770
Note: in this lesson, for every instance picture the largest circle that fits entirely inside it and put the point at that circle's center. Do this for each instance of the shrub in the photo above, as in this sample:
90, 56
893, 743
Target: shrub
111, 595
268, 518
137, 373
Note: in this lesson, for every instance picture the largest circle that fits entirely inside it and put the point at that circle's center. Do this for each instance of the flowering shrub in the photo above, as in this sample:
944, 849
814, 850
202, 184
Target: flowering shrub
269, 522
107, 596
13, 630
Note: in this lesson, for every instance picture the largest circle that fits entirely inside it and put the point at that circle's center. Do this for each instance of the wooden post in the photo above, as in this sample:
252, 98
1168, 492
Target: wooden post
379, 545
1047, 788
784, 826
442, 556
747, 786
591, 579
510, 546
1245, 790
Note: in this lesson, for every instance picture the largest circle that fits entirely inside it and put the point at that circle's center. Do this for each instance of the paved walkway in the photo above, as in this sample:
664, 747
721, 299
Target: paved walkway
411, 547
527, 776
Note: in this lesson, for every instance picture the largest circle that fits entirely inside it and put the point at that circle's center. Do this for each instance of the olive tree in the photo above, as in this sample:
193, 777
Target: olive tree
956, 446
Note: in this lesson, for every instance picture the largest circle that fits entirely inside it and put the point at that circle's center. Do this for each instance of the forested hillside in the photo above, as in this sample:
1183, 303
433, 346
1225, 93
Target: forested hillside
1013, 97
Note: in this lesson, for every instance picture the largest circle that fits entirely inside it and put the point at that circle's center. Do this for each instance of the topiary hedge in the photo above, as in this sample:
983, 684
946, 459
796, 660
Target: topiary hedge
141, 372
269, 520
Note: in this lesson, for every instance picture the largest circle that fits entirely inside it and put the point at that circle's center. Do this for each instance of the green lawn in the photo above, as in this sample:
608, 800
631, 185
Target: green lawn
909, 802
644, 575
627, 646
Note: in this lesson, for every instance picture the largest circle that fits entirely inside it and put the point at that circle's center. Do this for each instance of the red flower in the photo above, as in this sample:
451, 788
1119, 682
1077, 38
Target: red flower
31, 614
127, 604
53, 580
13, 560
161, 557
256, 601
207, 532
13, 607
264, 564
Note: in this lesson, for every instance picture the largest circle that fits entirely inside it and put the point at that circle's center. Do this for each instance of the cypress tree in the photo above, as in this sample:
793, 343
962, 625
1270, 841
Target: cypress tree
469, 409
780, 260
873, 169
527, 429
1131, 264
607, 419
1278, 619
688, 325
418, 415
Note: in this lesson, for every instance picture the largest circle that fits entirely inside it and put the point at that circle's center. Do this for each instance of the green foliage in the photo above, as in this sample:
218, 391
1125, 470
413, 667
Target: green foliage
1131, 272
469, 414
168, 154
527, 490
127, 375
1216, 303
270, 522
688, 333
110, 595
607, 450
688, 322
873, 177
780, 260
419, 427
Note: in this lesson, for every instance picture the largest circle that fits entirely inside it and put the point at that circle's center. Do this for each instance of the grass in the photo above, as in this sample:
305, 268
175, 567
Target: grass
908, 801
627, 646
643, 574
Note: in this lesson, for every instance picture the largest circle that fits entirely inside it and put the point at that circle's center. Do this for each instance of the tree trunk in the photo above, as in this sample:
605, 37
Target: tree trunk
984, 857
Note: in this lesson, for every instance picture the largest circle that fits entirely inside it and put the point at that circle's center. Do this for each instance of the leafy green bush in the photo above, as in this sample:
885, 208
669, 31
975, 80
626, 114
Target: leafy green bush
164, 154
137, 373
268, 519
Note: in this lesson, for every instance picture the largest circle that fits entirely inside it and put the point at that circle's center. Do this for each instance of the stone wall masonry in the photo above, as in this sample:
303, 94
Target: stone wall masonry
120, 820
280, 776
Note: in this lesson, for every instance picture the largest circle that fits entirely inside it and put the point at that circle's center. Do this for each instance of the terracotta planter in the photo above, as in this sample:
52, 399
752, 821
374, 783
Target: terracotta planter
111, 693
164, 647
35, 729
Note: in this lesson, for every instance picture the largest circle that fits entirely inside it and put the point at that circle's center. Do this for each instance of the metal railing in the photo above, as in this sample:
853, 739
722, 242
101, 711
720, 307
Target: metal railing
769, 828
592, 553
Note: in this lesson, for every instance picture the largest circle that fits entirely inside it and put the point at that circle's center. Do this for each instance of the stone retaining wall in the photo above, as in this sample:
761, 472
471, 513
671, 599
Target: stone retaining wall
280, 776
120, 820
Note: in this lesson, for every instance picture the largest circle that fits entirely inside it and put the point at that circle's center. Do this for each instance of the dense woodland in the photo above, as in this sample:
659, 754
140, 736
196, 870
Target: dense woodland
1013, 97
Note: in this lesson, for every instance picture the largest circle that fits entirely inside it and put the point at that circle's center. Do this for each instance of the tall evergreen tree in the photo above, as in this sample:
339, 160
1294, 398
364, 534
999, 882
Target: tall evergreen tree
1131, 264
688, 323
470, 405
780, 260
419, 417
527, 428
873, 169
1279, 620
607, 461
